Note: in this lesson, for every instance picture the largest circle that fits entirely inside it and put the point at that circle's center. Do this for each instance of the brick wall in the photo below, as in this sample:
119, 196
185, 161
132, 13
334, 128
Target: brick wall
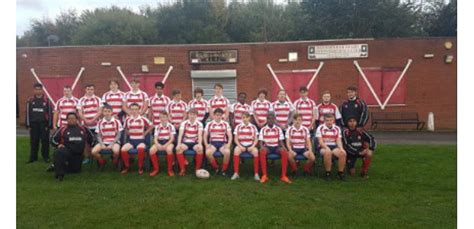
431, 84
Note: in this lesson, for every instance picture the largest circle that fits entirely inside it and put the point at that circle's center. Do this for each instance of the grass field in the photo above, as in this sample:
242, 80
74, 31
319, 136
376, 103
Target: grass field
410, 186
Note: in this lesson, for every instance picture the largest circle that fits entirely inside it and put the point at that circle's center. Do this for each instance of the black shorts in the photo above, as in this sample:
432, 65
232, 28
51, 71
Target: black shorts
162, 142
299, 151
136, 142
190, 145
273, 150
218, 145
330, 147
351, 160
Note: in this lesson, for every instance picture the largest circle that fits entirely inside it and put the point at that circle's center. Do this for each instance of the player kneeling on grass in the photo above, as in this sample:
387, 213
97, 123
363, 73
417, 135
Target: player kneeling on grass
271, 142
136, 128
298, 141
358, 143
246, 141
190, 137
163, 141
219, 134
108, 134
330, 144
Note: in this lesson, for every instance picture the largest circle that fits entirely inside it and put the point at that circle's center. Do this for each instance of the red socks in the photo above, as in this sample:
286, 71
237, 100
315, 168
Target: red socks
180, 157
284, 162
293, 166
169, 159
263, 161
236, 163
307, 167
365, 164
198, 161
154, 161
255, 164
141, 157
115, 159
126, 159
225, 166
214, 164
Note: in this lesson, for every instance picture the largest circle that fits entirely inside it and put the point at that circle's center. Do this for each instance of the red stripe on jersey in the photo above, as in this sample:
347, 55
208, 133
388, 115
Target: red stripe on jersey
271, 136
63, 107
162, 132
108, 130
305, 108
238, 109
115, 100
297, 136
330, 108
217, 131
201, 106
219, 102
177, 111
157, 105
260, 109
138, 97
245, 134
90, 107
329, 135
190, 131
136, 126
282, 111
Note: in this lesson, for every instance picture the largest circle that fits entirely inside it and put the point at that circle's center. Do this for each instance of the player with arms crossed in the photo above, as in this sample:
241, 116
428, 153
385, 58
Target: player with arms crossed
330, 144
326, 107
114, 98
238, 108
298, 141
219, 101
358, 143
283, 110
108, 134
163, 141
65, 105
218, 136
135, 95
246, 140
177, 109
200, 104
190, 137
307, 108
260, 108
158, 103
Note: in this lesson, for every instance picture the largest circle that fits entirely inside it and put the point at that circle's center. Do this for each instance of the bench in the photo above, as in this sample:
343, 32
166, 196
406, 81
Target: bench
396, 118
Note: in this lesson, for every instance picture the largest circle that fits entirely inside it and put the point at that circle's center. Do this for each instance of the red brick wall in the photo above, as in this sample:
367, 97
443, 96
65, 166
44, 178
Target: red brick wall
431, 84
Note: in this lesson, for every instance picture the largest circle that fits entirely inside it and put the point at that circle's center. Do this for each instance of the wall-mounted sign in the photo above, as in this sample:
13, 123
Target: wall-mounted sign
213, 56
321, 52
159, 60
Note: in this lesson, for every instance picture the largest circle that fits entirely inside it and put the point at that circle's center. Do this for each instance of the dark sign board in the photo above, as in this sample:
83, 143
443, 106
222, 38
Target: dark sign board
213, 56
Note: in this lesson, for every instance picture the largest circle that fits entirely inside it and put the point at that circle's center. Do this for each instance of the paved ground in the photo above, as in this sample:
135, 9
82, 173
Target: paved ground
385, 137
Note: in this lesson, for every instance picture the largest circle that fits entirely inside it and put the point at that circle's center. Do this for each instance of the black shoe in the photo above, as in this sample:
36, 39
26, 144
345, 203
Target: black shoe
50, 168
327, 177
59, 178
341, 176
364, 175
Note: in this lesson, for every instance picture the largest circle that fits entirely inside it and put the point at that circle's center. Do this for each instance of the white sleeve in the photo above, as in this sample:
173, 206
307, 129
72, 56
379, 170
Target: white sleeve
281, 134
318, 132
173, 130
338, 114
260, 136
287, 134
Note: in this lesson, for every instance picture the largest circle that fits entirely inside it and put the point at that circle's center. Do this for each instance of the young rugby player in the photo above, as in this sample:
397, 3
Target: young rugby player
219, 101
271, 142
358, 143
330, 144
298, 141
354, 107
238, 108
114, 98
65, 105
163, 141
200, 104
218, 136
326, 107
246, 139
135, 96
136, 128
177, 109
190, 137
282, 109
108, 134
158, 103
90, 110
260, 108
307, 108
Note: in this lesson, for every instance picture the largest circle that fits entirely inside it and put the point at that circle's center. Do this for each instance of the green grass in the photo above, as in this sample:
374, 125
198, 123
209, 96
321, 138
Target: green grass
410, 186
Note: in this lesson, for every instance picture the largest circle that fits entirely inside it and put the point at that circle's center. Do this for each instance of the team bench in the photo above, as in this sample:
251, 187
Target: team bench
396, 118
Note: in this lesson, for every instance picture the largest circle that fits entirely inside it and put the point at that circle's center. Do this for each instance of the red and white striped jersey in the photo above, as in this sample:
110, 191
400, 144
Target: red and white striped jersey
330, 108
190, 131
137, 126
217, 131
271, 135
177, 111
297, 136
329, 135
202, 107
64, 106
246, 134
115, 100
238, 109
219, 102
162, 132
305, 107
108, 129
90, 107
157, 105
139, 97
260, 109
282, 111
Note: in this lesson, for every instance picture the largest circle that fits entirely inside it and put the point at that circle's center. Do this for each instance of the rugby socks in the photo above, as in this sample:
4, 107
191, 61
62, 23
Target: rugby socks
115, 159
214, 164
169, 159
154, 162
255, 165
263, 161
181, 159
198, 161
293, 166
284, 162
236, 163
225, 166
126, 159
307, 167
365, 164
141, 157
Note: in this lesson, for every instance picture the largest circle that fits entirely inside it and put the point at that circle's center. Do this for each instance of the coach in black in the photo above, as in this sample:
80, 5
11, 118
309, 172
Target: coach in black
70, 141
354, 107
39, 120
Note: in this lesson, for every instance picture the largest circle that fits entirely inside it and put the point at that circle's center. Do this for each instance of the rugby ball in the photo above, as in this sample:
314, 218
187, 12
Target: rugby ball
202, 174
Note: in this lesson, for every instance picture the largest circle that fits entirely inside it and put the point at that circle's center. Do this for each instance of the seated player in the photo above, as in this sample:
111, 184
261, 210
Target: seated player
245, 138
190, 137
108, 134
298, 141
330, 144
218, 136
271, 142
136, 128
163, 141
358, 143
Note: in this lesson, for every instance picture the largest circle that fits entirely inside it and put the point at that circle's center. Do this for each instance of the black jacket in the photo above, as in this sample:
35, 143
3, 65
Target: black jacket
356, 108
353, 140
74, 138
39, 109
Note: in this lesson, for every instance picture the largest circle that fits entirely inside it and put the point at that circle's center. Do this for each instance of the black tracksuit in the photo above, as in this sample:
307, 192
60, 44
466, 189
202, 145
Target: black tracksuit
353, 142
74, 138
356, 108
39, 118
